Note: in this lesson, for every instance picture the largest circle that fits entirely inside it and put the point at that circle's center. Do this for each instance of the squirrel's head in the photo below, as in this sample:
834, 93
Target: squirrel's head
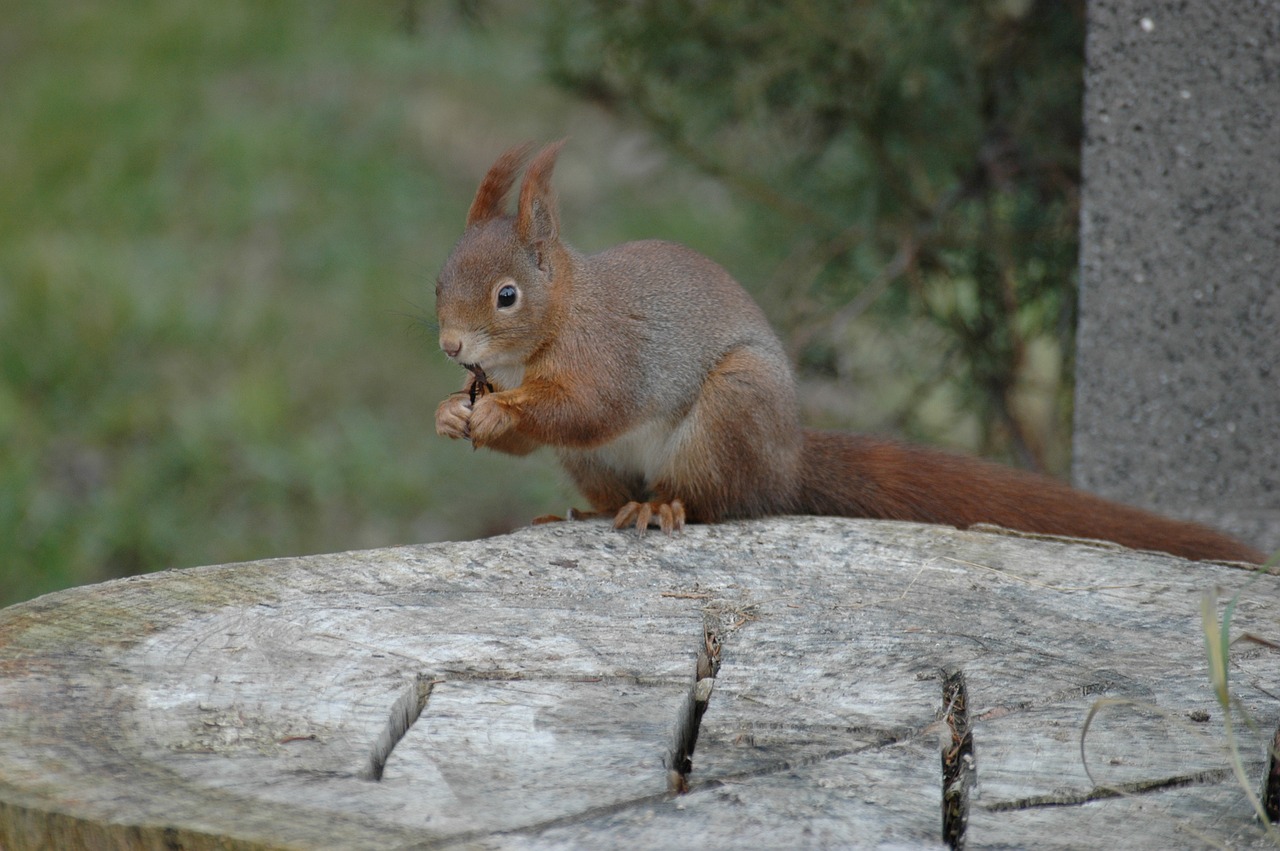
497, 289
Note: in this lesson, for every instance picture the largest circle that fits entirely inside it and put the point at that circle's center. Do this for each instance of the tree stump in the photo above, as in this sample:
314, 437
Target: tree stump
783, 683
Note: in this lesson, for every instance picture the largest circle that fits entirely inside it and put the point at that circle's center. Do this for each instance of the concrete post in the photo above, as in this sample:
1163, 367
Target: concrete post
1178, 351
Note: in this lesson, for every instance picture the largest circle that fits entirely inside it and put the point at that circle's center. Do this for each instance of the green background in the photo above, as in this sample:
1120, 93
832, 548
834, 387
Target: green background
220, 225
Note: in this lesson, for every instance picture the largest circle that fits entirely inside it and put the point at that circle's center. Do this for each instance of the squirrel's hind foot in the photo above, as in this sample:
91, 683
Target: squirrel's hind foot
669, 516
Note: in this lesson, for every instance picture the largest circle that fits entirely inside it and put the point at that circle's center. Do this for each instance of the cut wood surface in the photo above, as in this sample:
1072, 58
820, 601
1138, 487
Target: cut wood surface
541, 690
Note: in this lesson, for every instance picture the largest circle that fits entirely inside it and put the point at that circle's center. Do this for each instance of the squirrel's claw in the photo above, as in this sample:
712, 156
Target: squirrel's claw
669, 516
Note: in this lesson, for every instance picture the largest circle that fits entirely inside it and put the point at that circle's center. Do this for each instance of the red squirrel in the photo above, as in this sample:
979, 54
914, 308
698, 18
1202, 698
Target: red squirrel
669, 399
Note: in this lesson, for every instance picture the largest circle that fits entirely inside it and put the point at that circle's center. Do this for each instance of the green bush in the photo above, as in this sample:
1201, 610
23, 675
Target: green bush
920, 159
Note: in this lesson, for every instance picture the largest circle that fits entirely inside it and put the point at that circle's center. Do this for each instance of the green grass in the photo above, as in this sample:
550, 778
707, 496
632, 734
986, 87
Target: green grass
219, 229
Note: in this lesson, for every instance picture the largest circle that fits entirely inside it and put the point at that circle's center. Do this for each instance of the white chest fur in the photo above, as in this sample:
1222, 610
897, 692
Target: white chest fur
646, 450
507, 377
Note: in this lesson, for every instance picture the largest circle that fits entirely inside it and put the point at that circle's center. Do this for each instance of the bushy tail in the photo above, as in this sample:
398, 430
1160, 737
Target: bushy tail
854, 476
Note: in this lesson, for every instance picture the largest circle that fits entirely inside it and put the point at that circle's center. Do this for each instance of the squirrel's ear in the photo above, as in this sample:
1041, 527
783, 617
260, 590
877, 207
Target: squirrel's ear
536, 219
493, 191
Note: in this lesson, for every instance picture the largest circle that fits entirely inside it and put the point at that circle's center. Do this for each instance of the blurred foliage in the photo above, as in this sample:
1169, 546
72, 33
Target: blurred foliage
218, 228
206, 227
920, 158
219, 224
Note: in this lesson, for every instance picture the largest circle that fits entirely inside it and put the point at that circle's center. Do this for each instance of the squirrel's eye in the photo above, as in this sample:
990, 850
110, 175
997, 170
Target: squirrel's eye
507, 296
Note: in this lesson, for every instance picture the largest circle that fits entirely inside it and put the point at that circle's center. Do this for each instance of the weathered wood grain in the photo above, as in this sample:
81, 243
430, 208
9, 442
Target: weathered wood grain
524, 691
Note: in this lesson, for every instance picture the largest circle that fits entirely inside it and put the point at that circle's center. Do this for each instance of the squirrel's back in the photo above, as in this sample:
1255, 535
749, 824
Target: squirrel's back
689, 296
679, 312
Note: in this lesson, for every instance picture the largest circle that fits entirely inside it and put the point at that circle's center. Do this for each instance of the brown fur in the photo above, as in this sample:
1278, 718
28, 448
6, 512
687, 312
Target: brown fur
536, 221
667, 396
854, 476
493, 191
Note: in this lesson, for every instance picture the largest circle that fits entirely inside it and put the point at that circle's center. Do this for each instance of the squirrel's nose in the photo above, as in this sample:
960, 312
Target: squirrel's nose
452, 345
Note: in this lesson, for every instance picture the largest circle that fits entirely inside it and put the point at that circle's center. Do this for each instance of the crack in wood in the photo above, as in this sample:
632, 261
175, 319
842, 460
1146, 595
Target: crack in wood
404, 713
623, 806
786, 765
1102, 793
1271, 781
1099, 682
959, 766
521, 676
680, 764
470, 839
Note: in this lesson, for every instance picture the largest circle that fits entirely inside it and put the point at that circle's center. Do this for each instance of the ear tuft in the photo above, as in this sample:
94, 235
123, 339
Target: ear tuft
493, 191
536, 219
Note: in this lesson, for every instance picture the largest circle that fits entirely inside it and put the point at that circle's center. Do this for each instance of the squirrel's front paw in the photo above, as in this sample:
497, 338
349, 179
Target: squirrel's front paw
490, 420
453, 416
